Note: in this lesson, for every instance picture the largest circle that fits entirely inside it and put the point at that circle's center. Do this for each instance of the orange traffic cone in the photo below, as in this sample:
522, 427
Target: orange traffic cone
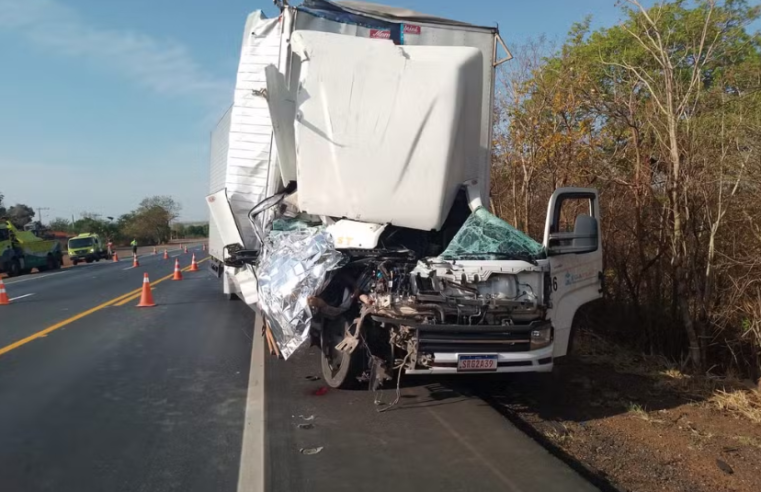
146, 299
177, 272
135, 263
166, 254
116, 257
3, 296
154, 250
193, 264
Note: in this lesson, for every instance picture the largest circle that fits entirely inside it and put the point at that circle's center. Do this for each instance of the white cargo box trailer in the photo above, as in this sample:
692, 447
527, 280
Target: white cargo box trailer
244, 165
349, 201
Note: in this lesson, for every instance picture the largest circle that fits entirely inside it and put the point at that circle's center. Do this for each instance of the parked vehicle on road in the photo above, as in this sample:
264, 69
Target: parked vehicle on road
350, 201
21, 251
87, 247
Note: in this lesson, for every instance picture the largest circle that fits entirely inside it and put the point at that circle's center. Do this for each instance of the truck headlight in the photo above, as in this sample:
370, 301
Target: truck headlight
92, 250
540, 338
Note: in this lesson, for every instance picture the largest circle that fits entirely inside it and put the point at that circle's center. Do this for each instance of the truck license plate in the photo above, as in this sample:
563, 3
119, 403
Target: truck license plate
476, 363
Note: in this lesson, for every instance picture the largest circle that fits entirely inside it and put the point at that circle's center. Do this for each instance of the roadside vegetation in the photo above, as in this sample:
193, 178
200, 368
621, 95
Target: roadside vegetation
154, 221
662, 114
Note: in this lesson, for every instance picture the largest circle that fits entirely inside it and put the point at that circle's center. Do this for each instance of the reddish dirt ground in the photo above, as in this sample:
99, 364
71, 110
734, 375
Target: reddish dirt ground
630, 427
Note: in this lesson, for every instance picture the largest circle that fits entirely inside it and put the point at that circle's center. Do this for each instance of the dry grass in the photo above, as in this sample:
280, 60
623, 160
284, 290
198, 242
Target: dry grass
639, 411
744, 403
723, 393
748, 441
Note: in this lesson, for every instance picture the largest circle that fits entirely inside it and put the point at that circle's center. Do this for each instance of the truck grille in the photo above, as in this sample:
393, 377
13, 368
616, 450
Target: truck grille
473, 342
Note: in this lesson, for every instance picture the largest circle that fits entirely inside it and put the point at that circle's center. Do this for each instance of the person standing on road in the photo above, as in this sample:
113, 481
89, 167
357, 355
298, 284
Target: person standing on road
110, 248
134, 246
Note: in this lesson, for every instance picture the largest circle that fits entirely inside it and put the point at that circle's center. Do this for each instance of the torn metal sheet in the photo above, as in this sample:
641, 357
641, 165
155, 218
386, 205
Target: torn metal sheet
375, 123
294, 266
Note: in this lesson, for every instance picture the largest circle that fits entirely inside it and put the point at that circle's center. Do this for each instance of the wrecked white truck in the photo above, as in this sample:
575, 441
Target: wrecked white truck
349, 201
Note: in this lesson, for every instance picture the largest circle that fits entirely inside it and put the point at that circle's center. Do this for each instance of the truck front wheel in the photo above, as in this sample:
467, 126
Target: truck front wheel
15, 269
339, 369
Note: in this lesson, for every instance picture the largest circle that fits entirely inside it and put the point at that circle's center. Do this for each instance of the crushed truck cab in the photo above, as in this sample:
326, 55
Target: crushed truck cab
350, 201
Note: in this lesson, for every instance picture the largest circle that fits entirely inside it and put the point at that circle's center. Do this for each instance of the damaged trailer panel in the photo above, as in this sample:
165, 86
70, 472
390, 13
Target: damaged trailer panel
386, 134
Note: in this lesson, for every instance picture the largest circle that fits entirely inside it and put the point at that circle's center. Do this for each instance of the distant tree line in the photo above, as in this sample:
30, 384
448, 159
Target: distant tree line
19, 214
152, 222
662, 114
189, 231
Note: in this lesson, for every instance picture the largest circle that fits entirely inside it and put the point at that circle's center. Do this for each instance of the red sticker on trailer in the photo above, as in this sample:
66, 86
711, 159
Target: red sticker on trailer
380, 34
411, 29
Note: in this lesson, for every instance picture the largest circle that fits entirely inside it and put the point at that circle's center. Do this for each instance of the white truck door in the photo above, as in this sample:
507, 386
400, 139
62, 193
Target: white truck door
573, 243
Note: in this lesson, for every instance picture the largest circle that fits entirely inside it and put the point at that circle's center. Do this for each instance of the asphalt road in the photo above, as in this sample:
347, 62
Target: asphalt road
436, 438
100, 396
123, 399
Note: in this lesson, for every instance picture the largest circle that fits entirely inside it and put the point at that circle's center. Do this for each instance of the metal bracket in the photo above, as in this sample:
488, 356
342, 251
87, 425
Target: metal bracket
498, 38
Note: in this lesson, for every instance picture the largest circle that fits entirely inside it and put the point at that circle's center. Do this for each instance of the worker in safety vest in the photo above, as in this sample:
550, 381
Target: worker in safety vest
134, 246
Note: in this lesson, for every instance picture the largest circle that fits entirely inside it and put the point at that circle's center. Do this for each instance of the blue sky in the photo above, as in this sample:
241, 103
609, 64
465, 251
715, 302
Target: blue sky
107, 102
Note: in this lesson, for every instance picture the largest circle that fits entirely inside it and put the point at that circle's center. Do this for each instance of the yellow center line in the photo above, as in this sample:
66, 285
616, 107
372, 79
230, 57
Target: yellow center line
129, 295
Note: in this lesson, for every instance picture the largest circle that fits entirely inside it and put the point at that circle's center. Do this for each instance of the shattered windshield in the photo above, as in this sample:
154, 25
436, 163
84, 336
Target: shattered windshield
484, 236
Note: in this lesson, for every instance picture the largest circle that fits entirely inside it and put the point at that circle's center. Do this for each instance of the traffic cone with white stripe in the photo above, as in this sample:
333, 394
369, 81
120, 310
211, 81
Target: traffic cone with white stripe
135, 263
177, 272
155, 251
4, 301
186, 249
203, 247
193, 264
116, 257
166, 254
146, 298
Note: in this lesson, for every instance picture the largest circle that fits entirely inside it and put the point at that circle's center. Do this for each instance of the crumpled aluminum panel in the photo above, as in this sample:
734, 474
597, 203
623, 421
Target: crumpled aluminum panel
294, 266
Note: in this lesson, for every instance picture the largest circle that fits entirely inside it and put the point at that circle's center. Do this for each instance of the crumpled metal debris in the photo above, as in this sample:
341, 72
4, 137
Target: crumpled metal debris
310, 451
294, 266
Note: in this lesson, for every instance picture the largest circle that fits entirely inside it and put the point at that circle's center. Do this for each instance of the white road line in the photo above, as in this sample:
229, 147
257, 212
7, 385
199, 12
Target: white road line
128, 268
251, 470
20, 297
33, 277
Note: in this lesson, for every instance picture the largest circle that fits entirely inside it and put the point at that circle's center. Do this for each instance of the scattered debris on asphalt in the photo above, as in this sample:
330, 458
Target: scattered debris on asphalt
306, 426
310, 451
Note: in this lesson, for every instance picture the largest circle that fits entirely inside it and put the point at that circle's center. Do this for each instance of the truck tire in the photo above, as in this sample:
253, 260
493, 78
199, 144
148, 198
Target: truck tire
75, 262
88, 260
15, 268
339, 369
